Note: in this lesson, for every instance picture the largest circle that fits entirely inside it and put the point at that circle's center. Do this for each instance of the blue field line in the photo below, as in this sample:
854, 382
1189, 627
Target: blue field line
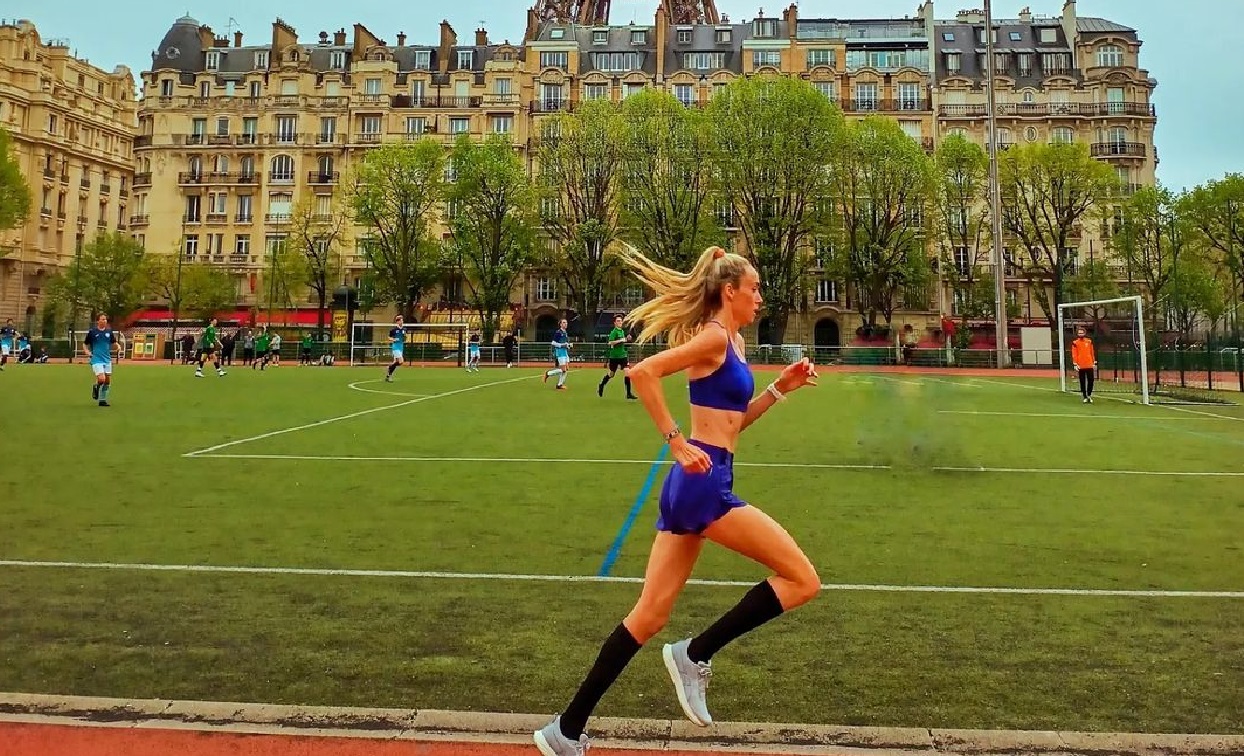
616, 548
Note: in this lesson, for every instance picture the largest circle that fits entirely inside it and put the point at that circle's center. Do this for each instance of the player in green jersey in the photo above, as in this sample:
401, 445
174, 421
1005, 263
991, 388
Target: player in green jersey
211, 343
618, 357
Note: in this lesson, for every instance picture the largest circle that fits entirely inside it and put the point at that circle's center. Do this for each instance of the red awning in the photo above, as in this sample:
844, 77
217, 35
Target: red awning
240, 315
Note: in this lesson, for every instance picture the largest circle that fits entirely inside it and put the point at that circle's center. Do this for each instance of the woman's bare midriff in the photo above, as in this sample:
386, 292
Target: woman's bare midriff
716, 427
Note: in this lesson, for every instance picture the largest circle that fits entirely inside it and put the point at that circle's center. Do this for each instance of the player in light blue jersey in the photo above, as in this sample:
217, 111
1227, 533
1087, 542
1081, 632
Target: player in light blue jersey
397, 346
7, 335
98, 346
561, 353
472, 365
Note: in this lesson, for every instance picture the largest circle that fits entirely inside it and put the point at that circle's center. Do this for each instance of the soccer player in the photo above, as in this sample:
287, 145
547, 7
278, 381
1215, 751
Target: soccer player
618, 357
702, 311
7, 335
561, 353
473, 353
211, 342
510, 344
261, 350
1084, 358
397, 347
274, 349
98, 346
304, 355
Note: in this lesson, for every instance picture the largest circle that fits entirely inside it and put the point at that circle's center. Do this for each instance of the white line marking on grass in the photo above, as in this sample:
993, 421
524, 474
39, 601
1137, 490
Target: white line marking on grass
781, 465
1199, 412
351, 416
1118, 399
356, 387
1078, 416
875, 588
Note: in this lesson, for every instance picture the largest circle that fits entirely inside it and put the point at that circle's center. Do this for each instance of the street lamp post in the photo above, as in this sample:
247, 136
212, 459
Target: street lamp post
176, 303
995, 198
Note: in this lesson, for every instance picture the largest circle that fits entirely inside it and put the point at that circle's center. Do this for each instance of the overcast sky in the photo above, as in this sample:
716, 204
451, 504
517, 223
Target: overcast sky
1200, 110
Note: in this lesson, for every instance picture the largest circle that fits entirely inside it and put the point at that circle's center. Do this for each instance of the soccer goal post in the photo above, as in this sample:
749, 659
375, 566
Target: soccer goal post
1116, 327
427, 343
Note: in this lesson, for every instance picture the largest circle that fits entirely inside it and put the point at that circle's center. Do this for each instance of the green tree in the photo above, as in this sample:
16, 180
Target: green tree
1195, 291
15, 195
1091, 282
581, 161
883, 186
197, 291
286, 271
1153, 234
109, 276
775, 141
1216, 209
493, 220
396, 195
965, 239
316, 230
1049, 192
668, 206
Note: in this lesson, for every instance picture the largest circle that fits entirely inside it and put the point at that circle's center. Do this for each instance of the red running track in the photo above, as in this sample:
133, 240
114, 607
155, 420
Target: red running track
22, 739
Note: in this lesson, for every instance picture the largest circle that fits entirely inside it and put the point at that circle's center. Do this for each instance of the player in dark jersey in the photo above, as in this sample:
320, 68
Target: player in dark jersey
210, 344
618, 356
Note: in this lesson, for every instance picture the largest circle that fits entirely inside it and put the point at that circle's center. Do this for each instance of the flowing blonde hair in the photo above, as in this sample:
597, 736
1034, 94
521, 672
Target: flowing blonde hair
683, 301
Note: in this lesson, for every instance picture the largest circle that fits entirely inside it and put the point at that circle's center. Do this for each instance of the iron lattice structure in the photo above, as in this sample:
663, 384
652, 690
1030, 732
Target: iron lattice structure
693, 12
594, 12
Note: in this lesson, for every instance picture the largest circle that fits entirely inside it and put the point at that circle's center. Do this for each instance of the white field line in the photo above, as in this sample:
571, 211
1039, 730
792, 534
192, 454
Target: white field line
1118, 399
781, 465
350, 416
357, 386
503, 577
892, 379
1077, 416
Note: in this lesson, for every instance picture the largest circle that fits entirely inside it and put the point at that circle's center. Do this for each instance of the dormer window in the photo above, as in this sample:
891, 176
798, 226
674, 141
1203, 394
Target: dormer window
337, 59
639, 36
213, 60
765, 28
261, 59
600, 37
423, 60
723, 36
557, 33
466, 59
684, 36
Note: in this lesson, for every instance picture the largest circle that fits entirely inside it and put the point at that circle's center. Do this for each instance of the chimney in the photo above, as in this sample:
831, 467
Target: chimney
533, 26
339, 37
401, 39
1025, 15
237, 39
481, 37
662, 24
449, 39
206, 37
220, 42
1071, 27
792, 20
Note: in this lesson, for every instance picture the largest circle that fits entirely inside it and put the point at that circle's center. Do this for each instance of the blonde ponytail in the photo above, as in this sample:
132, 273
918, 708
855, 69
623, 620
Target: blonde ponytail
683, 301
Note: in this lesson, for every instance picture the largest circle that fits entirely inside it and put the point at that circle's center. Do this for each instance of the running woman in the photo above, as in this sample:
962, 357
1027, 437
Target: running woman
702, 311
561, 353
397, 347
7, 335
618, 358
473, 354
98, 346
211, 342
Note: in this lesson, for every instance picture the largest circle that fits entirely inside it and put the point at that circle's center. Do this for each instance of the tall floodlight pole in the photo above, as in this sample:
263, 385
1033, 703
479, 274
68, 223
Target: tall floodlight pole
995, 198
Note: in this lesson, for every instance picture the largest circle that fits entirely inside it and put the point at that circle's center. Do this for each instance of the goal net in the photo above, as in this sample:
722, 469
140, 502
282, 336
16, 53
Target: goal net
426, 343
1116, 329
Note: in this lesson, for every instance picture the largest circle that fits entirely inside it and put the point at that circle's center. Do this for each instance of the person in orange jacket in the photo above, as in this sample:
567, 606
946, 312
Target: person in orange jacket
1085, 360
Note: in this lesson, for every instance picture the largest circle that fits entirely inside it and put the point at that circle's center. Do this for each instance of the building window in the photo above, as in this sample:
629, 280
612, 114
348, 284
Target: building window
256, 89
222, 126
423, 60
246, 167
244, 208
954, 62
595, 91
370, 125
557, 33
250, 127
765, 28
242, 245
1049, 35
52, 123
166, 87
212, 61
1015, 36
1110, 56
826, 291
1062, 135
328, 129
818, 57
685, 93
909, 96
282, 168
416, 125
1024, 61
503, 88
502, 124
279, 204
554, 60
371, 87
194, 208
1054, 63
948, 36
866, 96
704, 61
546, 290
827, 88
616, 61
337, 59
286, 128
466, 59
723, 36
261, 60
684, 36
639, 36
766, 58
600, 37
459, 125
190, 246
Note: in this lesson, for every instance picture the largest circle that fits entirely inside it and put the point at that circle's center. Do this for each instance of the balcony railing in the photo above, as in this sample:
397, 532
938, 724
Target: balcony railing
436, 101
1048, 109
48, 173
64, 179
243, 218
281, 178
217, 217
1118, 149
123, 192
105, 188
185, 178
191, 218
277, 217
191, 178
85, 183
551, 106
885, 106
139, 220
367, 138
195, 138
316, 177
81, 220
142, 140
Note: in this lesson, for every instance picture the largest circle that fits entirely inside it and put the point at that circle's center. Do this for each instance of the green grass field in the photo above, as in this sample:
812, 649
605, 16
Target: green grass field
512, 478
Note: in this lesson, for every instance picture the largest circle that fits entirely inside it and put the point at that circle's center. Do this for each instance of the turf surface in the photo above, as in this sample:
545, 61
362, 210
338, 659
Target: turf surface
404, 488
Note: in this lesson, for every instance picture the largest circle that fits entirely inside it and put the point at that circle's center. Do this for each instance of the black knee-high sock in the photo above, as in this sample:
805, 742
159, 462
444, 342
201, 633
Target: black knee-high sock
627, 379
617, 652
605, 380
392, 367
758, 606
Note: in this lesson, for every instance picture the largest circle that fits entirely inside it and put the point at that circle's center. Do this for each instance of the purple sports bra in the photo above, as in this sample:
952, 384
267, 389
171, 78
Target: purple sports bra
729, 387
